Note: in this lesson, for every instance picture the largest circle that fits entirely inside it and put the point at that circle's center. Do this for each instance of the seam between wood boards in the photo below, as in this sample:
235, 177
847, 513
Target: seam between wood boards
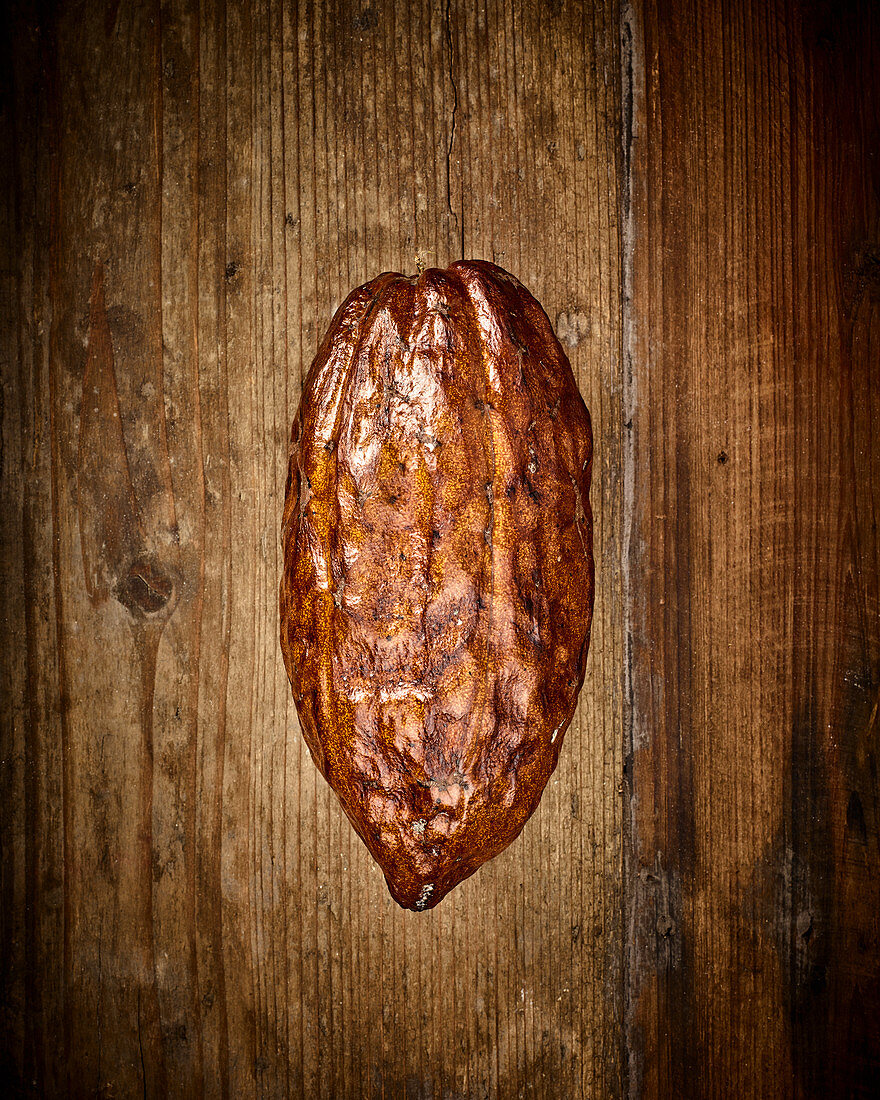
630, 58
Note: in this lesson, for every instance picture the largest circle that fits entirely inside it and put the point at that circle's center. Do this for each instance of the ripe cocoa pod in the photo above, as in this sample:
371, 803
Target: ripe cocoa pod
438, 571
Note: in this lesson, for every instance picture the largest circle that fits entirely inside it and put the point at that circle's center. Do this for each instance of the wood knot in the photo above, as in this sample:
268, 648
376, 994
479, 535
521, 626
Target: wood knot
665, 926
147, 590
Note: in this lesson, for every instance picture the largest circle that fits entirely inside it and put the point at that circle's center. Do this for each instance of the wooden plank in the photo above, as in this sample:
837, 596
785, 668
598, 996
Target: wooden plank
752, 486
117, 567
195, 188
32, 854
832, 797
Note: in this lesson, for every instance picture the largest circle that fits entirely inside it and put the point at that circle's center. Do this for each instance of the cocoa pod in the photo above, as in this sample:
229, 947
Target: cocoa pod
437, 590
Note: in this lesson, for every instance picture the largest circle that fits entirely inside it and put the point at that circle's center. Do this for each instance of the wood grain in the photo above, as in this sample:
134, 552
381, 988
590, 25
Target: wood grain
194, 189
691, 191
751, 341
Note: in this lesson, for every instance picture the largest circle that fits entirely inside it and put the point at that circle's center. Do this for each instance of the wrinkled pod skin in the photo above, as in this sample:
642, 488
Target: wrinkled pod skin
438, 571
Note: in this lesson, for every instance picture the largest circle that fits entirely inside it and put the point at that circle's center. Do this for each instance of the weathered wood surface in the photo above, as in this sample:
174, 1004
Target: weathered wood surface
753, 366
692, 192
186, 910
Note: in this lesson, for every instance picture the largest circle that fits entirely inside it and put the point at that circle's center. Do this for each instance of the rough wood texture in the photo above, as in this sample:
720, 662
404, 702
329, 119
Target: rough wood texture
194, 190
691, 190
753, 359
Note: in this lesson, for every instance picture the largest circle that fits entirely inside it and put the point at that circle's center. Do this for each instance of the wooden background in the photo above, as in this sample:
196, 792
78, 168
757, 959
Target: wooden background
692, 190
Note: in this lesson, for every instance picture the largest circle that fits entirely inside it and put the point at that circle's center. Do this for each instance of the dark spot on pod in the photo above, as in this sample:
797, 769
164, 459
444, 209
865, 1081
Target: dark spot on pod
722, 458
232, 269
147, 589
511, 489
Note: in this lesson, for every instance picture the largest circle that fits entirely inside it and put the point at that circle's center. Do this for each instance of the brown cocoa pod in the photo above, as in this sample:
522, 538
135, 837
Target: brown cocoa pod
438, 571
